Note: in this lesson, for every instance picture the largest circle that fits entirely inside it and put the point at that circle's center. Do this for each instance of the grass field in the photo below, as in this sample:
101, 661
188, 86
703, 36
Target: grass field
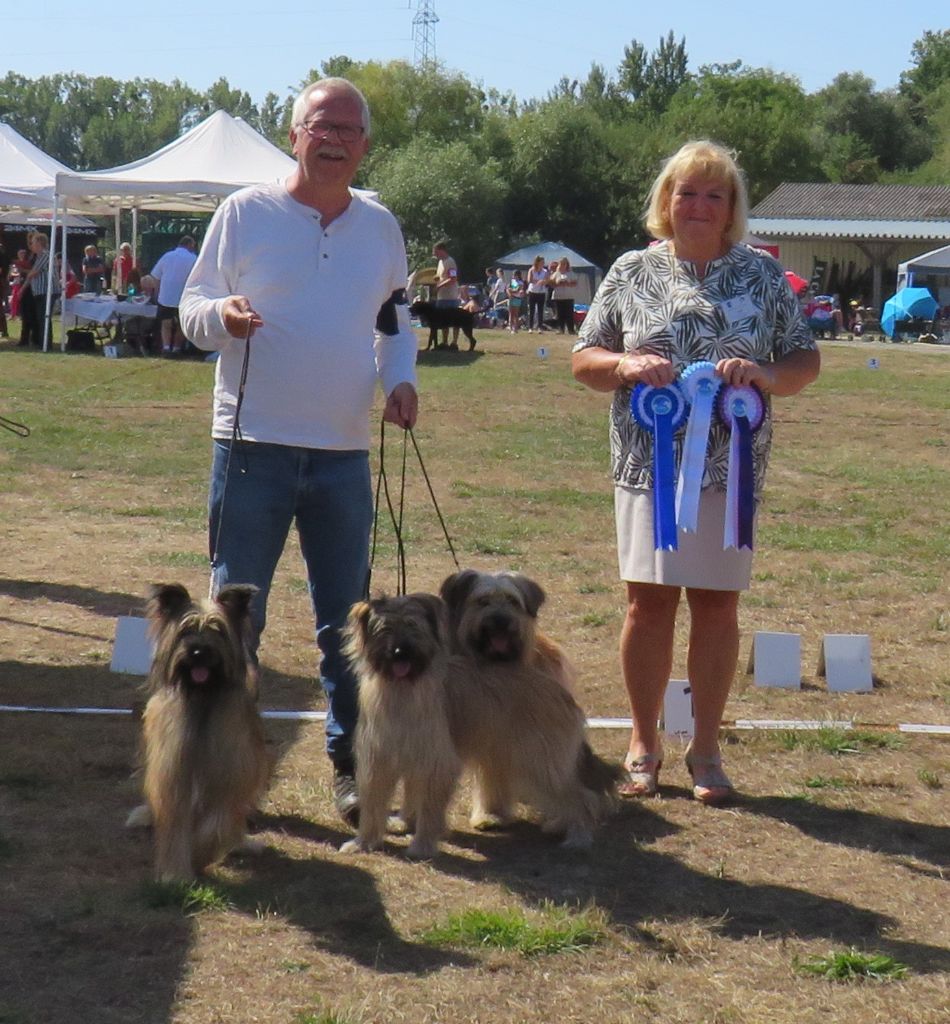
818, 897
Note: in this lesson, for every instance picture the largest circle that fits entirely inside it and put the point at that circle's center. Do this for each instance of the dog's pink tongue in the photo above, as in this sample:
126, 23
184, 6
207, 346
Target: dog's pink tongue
199, 674
499, 644
401, 669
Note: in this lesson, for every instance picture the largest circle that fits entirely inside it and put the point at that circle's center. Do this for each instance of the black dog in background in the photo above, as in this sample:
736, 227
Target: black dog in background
436, 318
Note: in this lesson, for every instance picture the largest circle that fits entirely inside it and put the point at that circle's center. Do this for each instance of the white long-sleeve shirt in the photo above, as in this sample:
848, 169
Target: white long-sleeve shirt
314, 364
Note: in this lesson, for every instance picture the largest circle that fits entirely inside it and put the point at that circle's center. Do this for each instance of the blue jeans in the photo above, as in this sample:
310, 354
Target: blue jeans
329, 496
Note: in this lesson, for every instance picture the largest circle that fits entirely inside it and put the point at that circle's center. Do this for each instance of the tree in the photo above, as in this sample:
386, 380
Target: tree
652, 82
764, 116
863, 132
931, 58
440, 190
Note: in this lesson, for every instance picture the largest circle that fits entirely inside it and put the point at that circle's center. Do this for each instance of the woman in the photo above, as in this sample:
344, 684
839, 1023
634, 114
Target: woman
698, 294
93, 270
122, 269
565, 292
515, 301
537, 293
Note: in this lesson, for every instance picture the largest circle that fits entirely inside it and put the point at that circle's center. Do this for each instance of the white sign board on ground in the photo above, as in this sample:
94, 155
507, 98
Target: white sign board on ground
678, 709
846, 659
132, 652
777, 660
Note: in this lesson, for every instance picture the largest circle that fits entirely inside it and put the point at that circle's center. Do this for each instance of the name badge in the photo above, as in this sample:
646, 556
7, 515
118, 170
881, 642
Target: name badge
741, 307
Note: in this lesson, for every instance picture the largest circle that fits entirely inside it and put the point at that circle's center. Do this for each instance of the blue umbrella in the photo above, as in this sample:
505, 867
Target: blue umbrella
907, 303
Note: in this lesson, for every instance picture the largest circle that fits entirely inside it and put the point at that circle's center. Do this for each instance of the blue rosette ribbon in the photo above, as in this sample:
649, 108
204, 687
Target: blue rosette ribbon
700, 384
662, 411
742, 409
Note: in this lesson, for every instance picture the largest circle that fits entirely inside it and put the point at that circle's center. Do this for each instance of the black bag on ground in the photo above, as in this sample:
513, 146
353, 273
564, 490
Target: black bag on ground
80, 340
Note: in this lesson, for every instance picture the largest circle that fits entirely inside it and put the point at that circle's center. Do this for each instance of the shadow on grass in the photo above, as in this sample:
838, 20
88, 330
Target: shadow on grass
447, 357
635, 885
102, 602
336, 902
859, 830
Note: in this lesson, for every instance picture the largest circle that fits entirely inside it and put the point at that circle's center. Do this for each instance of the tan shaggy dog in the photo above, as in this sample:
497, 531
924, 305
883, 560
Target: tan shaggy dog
513, 717
399, 649
206, 763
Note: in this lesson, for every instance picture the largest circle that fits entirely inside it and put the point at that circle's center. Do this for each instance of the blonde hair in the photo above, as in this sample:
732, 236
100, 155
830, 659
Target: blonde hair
712, 161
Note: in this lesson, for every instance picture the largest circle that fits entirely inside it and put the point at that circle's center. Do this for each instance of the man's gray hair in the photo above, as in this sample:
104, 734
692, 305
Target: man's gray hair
331, 84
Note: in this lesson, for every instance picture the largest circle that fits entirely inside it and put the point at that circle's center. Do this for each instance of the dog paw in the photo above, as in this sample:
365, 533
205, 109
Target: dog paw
422, 850
489, 822
139, 817
397, 825
359, 846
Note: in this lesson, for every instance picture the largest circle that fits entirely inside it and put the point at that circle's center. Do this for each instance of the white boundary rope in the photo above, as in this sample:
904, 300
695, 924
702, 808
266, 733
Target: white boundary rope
592, 723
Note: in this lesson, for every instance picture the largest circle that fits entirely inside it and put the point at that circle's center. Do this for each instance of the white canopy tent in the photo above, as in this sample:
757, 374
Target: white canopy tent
193, 173
935, 262
27, 174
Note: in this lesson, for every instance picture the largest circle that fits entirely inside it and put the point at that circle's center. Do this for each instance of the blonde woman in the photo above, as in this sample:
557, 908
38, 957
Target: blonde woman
699, 294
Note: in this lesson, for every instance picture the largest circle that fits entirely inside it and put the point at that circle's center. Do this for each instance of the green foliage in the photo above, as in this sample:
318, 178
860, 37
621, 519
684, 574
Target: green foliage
440, 190
189, 897
557, 931
834, 740
853, 965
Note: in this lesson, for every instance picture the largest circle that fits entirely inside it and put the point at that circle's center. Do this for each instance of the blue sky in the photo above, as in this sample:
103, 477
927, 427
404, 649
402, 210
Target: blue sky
511, 46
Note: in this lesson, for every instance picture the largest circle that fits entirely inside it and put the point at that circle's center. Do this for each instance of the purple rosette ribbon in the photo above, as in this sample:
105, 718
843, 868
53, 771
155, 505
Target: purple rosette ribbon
661, 411
742, 409
700, 383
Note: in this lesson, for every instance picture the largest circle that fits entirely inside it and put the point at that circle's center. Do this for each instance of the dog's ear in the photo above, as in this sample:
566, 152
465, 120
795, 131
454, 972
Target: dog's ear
532, 593
436, 612
235, 599
358, 618
167, 602
456, 588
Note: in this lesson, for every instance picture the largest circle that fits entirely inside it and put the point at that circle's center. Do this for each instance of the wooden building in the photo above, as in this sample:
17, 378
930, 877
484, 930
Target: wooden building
849, 239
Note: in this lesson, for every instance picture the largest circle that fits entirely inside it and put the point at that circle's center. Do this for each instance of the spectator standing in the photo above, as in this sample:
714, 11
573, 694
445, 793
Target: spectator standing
39, 281
446, 287
565, 293
172, 272
515, 301
537, 293
4, 274
122, 268
93, 270
329, 321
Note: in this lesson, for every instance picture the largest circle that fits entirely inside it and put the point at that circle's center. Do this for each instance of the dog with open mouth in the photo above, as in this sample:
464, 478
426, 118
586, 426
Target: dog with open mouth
399, 649
206, 762
515, 719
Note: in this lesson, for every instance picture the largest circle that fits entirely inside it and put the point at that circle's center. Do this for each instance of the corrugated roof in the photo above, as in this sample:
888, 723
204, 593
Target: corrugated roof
837, 227
821, 200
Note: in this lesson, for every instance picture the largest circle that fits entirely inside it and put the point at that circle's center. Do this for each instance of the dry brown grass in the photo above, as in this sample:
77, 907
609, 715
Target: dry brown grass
708, 909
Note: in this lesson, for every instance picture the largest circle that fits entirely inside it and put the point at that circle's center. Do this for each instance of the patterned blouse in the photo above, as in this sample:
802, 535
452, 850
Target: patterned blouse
651, 302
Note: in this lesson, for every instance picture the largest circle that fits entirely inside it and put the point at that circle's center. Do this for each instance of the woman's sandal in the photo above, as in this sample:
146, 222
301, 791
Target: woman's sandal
711, 785
642, 773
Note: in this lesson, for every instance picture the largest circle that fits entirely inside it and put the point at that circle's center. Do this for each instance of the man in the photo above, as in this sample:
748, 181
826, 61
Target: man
446, 288
307, 277
171, 272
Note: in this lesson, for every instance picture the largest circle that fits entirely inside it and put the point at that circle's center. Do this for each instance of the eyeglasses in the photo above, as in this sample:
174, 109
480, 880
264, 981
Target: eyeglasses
322, 129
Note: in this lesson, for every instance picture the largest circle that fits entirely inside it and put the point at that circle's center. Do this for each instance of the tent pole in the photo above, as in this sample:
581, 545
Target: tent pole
50, 278
135, 234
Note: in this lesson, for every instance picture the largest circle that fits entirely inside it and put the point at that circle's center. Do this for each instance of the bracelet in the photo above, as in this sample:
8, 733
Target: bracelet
618, 369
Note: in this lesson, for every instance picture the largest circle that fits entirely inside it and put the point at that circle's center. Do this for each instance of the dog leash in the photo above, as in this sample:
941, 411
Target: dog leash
396, 518
20, 429
235, 436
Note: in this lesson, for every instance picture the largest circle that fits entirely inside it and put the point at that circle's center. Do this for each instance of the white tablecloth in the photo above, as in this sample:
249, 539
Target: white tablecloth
105, 308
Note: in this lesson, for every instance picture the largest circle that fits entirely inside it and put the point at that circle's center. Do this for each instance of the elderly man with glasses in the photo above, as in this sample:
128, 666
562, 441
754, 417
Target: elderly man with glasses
300, 286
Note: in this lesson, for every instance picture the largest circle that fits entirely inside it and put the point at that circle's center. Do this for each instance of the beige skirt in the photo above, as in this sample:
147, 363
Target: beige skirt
699, 561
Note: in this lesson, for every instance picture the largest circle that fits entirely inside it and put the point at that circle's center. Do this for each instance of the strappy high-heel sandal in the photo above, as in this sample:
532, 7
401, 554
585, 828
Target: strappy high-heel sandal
711, 785
641, 775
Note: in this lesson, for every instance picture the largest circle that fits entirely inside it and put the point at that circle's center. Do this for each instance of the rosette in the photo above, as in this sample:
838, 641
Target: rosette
661, 411
742, 409
699, 383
